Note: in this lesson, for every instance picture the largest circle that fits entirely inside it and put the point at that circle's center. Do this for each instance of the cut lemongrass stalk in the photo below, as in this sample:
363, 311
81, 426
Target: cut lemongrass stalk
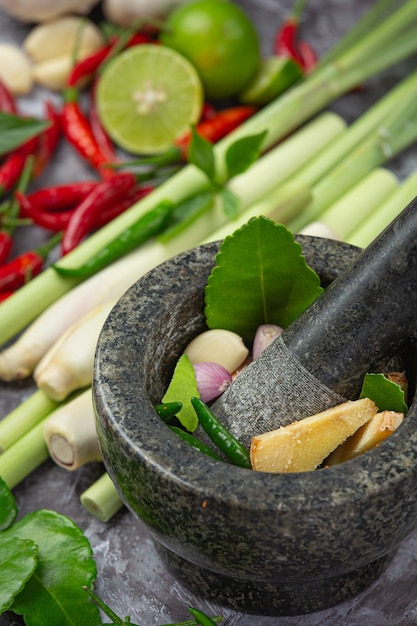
359, 202
70, 433
24, 417
24, 456
68, 365
388, 210
282, 116
101, 499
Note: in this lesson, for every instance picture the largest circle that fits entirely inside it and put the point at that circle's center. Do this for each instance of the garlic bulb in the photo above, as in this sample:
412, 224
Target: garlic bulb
124, 12
42, 10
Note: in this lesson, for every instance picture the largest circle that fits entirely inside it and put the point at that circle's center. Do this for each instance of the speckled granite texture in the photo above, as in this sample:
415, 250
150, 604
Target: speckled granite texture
261, 543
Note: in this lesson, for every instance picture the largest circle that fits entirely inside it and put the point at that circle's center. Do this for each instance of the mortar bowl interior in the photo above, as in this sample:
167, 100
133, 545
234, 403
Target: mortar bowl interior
267, 544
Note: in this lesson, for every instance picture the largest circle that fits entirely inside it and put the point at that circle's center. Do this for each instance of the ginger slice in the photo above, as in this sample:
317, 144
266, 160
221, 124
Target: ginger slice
381, 426
303, 445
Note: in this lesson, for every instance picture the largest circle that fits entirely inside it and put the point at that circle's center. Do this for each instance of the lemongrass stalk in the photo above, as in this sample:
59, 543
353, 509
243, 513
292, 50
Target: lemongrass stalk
24, 456
279, 118
398, 131
68, 364
387, 211
24, 417
359, 202
101, 499
70, 433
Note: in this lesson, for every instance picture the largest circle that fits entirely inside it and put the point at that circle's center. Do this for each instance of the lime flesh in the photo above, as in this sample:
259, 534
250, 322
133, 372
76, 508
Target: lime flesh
147, 96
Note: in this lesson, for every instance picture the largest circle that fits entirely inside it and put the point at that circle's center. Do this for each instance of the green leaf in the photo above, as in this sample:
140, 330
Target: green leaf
243, 153
185, 213
260, 277
18, 561
15, 130
8, 508
231, 203
201, 154
387, 395
182, 388
65, 565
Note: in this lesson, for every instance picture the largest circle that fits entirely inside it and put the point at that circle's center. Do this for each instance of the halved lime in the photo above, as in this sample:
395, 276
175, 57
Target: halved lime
275, 75
147, 96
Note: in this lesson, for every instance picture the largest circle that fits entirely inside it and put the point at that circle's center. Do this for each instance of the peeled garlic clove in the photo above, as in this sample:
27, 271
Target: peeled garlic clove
265, 335
40, 10
62, 36
15, 69
53, 73
212, 379
218, 346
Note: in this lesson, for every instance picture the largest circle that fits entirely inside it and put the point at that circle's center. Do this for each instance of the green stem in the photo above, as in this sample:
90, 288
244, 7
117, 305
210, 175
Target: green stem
359, 202
101, 499
24, 417
24, 456
388, 210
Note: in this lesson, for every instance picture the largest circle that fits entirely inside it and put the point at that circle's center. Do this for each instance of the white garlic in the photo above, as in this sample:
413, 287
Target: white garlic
41, 10
125, 12
218, 346
15, 69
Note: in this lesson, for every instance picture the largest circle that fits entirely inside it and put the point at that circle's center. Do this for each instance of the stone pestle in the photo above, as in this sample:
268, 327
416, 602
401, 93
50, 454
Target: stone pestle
355, 326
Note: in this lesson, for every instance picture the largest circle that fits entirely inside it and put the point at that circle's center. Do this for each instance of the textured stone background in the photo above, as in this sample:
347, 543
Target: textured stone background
131, 577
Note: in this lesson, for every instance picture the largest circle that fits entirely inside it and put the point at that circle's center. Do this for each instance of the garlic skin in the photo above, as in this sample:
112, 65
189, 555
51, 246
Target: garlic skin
42, 10
218, 346
212, 380
264, 336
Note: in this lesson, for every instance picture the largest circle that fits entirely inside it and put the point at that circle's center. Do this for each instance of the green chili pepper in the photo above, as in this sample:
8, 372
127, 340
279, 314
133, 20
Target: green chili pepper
224, 440
195, 443
148, 225
202, 618
166, 410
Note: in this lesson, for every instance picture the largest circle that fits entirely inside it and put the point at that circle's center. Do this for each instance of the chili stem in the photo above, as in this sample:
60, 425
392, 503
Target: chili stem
24, 417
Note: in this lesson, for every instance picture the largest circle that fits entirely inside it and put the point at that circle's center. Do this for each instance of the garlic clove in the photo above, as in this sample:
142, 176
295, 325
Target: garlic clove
53, 73
218, 346
15, 69
265, 335
212, 380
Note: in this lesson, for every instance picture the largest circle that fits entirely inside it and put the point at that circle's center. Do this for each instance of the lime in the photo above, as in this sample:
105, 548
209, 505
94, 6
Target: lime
276, 74
219, 39
147, 96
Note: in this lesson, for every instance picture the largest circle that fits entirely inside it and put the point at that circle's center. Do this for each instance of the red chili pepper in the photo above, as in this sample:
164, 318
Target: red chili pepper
24, 267
14, 163
88, 67
117, 208
48, 140
58, 197
5, 295
85, 214
215, 128
6, 245
286, 44
7, 101
103, 140
78, 133
54, 221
